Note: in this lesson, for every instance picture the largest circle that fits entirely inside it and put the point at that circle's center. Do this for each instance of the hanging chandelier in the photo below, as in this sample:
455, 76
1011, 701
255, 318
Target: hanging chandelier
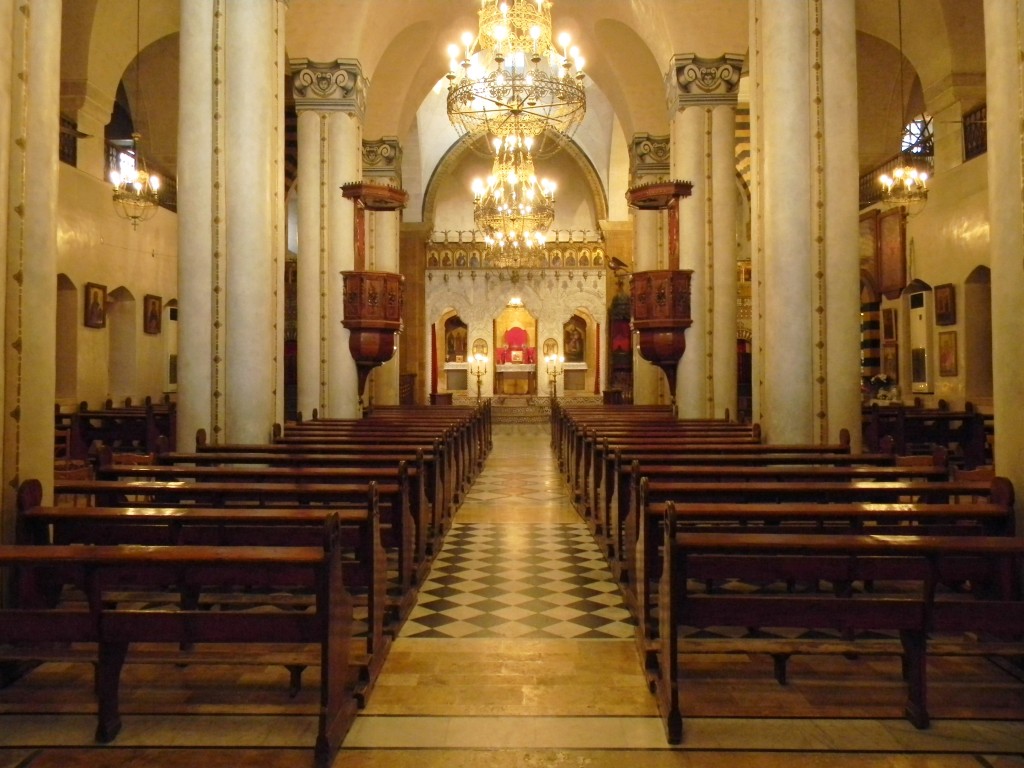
511, 80
907, 182
513, 208
136, 190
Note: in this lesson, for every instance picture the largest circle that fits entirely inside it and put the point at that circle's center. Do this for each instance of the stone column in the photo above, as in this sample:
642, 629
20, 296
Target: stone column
1004, 38
785, 364
200, 226
330, 100
838, 397
30, 95
805, 187
230, 268
702, 93
382, 164
648, 161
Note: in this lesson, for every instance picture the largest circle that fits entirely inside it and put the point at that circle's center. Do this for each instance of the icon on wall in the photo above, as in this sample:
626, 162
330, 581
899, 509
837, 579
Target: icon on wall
95, 305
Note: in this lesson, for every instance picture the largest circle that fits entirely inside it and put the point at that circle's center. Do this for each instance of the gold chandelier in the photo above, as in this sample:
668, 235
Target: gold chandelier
527, 86
513, 208
907, 182
136, 190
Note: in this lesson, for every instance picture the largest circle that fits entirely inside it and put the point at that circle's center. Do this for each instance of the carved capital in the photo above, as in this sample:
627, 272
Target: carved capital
328, 86
382, 161
649, 157
694, 81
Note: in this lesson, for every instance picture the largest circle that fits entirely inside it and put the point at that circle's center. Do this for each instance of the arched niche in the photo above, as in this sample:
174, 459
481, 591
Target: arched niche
69, 313
122, 357
580, 345
977, 336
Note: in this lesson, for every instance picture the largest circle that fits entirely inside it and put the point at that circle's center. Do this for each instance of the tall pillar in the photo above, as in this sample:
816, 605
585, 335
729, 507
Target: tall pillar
230, 272
703, 94
200, 226
806, 360
330, 100
250, 53
648, 161
838, 397
29, 123
1004, 38
382, 164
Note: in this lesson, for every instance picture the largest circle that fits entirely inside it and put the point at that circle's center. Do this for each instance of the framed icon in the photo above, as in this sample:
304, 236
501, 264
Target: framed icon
95, 305
152, 306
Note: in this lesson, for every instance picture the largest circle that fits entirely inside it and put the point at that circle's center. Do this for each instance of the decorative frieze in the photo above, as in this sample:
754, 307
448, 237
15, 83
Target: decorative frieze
694, 81
327, 86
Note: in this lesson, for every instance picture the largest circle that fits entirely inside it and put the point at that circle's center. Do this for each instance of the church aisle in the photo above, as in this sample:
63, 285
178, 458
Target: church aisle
520, 655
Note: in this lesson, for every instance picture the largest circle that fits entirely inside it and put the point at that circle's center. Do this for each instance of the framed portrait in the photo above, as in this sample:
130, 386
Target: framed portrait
945, 304
947, 353
888, 325
892, 261
152, 307
516, 356
95, 305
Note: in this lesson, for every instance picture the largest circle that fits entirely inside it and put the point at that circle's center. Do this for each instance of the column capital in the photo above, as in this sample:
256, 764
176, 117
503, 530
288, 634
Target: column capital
694, 81
649, 157
337, 85
382, 160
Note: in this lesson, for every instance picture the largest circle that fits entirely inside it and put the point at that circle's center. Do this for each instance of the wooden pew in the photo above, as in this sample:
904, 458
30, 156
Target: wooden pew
130, 427
622, 517
397, 522
613, 468
383, 470
921, 560
364, 566
435, 456
113, 628
849, 508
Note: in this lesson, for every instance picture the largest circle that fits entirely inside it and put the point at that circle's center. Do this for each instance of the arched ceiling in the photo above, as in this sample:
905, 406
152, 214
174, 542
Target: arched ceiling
628, 44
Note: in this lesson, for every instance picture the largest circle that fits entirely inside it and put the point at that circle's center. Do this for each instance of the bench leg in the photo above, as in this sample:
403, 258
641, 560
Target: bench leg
295, 679
915, 659
108, 683
779, 663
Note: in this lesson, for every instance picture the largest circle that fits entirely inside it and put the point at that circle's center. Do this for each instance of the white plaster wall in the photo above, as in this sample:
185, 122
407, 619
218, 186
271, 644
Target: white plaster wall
95, 246
946, 240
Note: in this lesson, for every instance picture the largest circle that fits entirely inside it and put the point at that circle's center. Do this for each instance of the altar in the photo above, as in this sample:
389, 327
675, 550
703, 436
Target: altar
515, 379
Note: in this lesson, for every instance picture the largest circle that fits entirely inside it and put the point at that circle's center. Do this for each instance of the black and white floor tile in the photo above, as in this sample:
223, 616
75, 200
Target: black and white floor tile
526, 581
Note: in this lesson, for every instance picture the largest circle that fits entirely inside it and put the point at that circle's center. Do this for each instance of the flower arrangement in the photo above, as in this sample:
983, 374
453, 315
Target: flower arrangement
881, 386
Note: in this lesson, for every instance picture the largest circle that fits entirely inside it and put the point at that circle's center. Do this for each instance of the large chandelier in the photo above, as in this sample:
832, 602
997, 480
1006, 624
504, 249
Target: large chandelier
513, 208
136, 190
907, 182
527, 85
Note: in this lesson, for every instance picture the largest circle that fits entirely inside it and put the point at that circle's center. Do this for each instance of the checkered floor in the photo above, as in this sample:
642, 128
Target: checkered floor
530, 581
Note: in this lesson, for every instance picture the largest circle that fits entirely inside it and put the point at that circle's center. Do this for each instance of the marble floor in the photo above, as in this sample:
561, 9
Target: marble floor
520, 655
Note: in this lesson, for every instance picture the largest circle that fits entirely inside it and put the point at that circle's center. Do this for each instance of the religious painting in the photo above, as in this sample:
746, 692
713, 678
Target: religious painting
945, 304
550, 347
574, 340
515, 356
151, 308
947, 353
892, 261
95, 305
868, 244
